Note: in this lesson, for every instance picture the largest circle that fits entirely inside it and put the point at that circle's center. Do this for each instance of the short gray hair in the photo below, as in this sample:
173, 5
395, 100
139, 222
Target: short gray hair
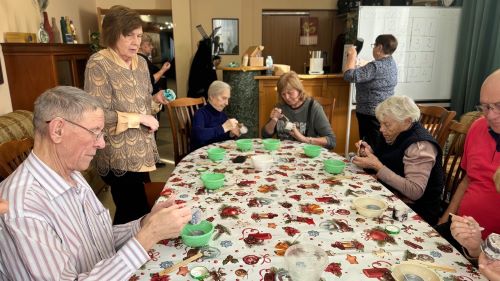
399, 108
217, 87
146, 39
63, 101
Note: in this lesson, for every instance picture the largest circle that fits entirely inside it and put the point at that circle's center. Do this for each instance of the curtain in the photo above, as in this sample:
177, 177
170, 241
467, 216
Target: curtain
478, 53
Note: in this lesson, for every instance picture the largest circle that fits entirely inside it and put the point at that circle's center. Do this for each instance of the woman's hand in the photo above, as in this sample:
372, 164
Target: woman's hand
275, 114
370, 161
362, 146
352, 51
150, 122
296, 134
160, 98
165, 67
467, 232
230, 125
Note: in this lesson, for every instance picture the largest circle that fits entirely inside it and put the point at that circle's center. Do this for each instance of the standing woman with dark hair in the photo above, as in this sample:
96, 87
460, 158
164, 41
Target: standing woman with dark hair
121, 81
375, 82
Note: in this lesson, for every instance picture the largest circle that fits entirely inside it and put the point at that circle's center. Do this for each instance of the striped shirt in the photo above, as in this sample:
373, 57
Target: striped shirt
57, 232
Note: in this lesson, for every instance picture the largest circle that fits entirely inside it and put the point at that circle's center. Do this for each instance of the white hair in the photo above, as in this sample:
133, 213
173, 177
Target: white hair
399, 108
217, 87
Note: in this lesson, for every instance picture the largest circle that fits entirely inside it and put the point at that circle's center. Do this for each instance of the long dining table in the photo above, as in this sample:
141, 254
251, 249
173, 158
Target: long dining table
258, 215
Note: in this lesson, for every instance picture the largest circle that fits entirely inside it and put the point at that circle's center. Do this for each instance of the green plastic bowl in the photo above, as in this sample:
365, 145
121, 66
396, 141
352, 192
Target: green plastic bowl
271, 144
213, 180
244, 144
334, 166
197, 235
312, 150
216, 153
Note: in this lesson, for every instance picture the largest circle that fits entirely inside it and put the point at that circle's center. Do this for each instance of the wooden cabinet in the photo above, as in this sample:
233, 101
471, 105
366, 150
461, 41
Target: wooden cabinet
33, 68
330, 85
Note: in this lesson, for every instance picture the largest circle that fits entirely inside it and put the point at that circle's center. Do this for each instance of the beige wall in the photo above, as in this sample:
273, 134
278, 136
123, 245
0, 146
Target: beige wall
22, 16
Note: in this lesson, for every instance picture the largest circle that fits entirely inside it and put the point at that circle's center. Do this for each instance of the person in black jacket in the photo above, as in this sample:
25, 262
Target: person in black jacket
155, 72
407, 159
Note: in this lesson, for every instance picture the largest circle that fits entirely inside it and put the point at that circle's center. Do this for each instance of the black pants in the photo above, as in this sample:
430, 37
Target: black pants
129, 196
369, 129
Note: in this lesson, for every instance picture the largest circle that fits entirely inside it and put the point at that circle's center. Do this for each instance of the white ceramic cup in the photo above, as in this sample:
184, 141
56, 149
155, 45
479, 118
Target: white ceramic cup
305, 262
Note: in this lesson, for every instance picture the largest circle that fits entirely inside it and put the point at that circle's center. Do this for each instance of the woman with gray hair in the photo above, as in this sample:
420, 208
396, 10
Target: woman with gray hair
407, 160
210, 124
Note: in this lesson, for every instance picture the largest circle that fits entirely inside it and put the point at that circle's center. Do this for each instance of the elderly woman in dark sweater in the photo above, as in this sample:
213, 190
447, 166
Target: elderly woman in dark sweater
310, 124
375, 82
407, 159
210, 124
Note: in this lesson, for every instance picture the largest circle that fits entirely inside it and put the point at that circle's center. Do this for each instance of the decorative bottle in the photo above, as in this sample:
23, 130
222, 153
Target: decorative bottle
63, 30
73, 31
46, 26
55, 31
269, 65
68, 31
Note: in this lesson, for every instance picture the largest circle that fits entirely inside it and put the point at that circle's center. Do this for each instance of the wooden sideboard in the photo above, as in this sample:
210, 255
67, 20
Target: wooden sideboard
329, 85
33, 68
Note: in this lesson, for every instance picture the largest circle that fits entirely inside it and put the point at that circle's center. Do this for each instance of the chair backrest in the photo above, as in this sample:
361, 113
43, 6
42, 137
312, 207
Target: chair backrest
436, 120
452, 158
180, 114
12, 154
328, 106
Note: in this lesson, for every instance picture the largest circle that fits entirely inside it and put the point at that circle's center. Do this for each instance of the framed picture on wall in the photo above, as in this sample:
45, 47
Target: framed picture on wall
226, 40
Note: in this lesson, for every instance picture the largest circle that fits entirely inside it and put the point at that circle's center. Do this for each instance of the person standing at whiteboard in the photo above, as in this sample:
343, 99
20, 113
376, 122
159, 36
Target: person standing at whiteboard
375, 83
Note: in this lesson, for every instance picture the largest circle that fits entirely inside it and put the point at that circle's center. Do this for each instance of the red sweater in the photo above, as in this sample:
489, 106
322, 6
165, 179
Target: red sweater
481, 160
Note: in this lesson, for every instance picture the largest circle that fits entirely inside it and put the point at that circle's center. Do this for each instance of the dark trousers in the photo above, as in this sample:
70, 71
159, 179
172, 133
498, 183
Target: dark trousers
129, 195
369, 129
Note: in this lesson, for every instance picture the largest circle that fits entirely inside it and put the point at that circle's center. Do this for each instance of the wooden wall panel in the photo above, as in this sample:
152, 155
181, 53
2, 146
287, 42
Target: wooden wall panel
280, 38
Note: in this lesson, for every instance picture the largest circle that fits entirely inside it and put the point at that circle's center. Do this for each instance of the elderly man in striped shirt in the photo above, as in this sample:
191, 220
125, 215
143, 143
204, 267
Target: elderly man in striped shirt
56, 228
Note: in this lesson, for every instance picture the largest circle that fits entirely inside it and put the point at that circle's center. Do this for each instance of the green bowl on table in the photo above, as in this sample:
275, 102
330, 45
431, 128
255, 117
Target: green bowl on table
216, 154
334, 166
244, 144
213, 180
271, 144
312, 150
197, 235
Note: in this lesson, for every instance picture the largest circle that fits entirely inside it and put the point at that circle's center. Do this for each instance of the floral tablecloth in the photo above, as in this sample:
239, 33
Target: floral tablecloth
258, 215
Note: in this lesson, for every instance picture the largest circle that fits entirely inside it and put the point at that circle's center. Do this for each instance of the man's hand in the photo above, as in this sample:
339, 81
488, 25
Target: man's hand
489, 268
467, 232
163, 223
4, 206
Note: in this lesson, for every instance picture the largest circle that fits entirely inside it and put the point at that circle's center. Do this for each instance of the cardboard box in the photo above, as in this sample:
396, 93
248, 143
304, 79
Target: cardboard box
254, 54
256, 61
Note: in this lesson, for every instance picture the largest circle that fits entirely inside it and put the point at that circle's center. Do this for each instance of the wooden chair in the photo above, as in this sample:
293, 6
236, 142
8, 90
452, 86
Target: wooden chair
12, 154
452, 158
328, 106
180, 114
436, 120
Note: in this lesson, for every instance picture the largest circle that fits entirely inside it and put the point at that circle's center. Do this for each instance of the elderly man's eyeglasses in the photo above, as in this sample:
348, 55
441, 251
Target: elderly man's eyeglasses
96, 135
485, 108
